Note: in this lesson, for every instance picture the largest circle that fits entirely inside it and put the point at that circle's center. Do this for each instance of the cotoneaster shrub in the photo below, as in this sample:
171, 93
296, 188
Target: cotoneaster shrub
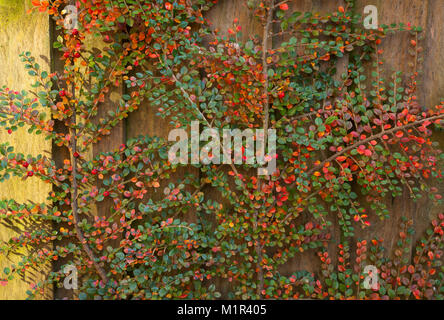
346, 140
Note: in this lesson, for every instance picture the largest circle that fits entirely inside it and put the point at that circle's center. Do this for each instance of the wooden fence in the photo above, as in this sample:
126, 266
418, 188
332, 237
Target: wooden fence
34, 32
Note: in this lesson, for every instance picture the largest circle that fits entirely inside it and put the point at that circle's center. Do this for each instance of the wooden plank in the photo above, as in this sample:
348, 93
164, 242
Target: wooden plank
308, 260
222, 17
396, 46
108, 143
144, 121
15, 35
59, 155
433, 79
396, 58
432, 86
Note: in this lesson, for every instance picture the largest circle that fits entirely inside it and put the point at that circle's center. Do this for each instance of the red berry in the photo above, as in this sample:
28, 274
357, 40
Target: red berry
9, 131
283, 7
66, 55
26, 164
30, 173
106, 194
75, 32
76, 55
281, 95
76, 154
94, 171
62, 93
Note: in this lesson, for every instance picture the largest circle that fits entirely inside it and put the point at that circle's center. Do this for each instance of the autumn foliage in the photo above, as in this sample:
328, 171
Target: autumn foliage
347, 139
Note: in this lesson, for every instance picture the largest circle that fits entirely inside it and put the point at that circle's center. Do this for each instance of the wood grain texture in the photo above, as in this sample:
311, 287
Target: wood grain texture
433, 78
221, 17
108, 143
428, 15
396, 46
308, 260
32, 34
20, 32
